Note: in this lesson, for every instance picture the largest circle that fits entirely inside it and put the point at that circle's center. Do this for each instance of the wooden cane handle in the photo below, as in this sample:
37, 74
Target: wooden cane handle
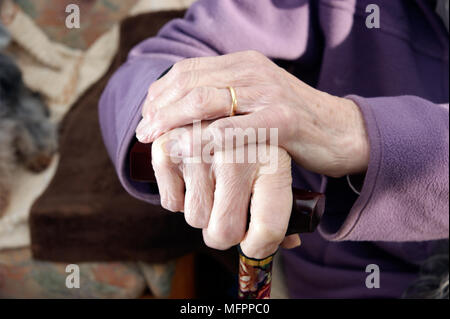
307, 211
141, 169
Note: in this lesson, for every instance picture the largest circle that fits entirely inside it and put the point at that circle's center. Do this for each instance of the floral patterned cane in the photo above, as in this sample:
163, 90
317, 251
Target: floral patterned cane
255, 275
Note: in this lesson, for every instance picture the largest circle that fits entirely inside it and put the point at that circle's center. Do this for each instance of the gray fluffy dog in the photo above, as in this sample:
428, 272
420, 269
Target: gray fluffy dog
27, 137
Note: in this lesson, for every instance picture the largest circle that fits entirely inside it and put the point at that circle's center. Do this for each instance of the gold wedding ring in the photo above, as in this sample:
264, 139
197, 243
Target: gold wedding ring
233, 101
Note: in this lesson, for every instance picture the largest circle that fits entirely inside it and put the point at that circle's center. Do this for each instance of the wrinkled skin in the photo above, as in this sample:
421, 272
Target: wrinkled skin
215, 196
323, 133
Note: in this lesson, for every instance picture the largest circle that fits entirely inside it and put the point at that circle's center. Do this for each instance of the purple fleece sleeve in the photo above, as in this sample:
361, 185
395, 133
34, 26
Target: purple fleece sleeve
405, 195
209, 28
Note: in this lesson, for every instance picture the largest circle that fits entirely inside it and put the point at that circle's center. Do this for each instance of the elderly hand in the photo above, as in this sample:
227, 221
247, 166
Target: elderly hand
215, 194
323, 133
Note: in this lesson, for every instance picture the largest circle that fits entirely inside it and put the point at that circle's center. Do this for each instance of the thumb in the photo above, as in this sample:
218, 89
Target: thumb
291, 241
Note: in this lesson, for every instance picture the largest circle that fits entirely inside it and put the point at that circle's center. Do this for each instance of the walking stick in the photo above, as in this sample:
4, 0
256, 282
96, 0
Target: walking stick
255, 275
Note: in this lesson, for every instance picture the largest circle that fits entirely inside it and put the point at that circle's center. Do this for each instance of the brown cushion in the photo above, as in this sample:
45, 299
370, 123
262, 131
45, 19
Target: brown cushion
85, 215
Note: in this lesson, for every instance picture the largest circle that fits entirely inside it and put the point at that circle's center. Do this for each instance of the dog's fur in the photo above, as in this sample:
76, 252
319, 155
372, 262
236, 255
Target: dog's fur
27, 137
433, 280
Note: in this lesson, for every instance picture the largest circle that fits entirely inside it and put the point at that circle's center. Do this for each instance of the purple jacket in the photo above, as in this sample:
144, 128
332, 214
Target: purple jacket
398, 74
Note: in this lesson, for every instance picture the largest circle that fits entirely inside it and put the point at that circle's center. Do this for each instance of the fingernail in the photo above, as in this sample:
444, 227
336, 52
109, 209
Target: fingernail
153, 134
141, 128
142, 137
146, 130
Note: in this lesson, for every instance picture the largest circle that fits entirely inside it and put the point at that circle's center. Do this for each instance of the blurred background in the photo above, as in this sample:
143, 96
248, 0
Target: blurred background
60, 201
98, 16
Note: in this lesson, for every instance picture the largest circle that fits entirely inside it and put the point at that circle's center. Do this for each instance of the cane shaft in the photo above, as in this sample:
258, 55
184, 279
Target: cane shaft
255, 275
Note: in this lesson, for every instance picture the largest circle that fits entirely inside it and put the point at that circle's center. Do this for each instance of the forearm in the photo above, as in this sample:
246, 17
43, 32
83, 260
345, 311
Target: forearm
405, 192
209, 28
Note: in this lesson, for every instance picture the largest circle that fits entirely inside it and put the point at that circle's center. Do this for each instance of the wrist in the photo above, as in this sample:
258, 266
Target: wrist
357, 147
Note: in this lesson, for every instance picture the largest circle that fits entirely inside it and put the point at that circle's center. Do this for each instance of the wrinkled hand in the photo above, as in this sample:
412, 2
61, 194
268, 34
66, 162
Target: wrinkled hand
323, 133
215, 195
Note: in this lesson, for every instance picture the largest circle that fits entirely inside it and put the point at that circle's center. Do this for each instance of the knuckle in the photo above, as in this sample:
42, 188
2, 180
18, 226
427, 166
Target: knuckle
177, 69
224, 237
196, 212
171, 205
193, 219
153, 87
189, 64
182, 81
254, 55
213, 244
266, 235
171, 198
199, 97
165, 203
